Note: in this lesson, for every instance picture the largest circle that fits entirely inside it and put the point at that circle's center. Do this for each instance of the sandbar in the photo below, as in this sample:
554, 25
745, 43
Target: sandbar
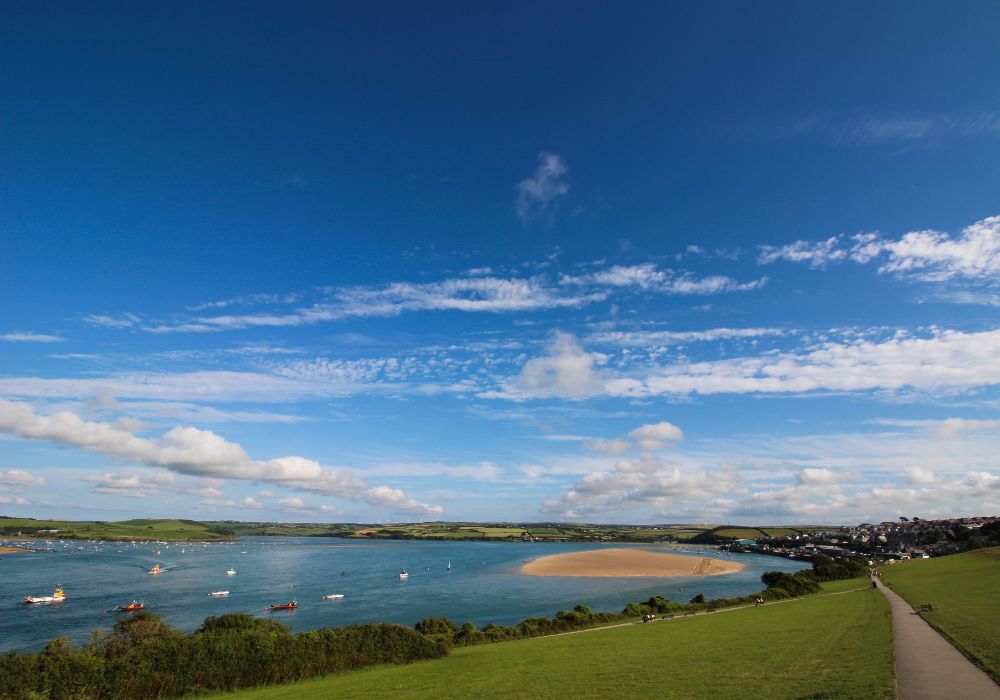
627, 562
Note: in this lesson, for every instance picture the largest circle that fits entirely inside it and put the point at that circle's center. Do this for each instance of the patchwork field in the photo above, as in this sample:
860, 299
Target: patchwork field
965, 592
837, 646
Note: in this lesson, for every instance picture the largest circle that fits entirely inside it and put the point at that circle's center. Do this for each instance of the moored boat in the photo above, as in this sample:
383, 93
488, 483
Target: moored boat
333, 596
230, 572
58, 596
219, 594
403, 575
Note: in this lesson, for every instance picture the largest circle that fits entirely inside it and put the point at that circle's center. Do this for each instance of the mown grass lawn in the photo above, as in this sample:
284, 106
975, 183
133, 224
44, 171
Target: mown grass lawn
965, 592
824, 647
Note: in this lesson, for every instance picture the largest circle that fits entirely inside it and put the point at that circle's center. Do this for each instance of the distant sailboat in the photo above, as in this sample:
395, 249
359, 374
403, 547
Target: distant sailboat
449, 566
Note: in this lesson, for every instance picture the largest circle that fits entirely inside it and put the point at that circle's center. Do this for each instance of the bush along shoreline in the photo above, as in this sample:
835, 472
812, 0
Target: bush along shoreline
779, 584
143, 657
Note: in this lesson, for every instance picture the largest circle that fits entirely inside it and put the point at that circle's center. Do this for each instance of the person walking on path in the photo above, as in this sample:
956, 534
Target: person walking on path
927, 666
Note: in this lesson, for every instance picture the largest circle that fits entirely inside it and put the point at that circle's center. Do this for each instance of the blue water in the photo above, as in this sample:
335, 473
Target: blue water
484, 585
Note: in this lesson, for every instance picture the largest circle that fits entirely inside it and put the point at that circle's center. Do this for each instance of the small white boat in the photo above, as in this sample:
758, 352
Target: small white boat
219, 594
230, 572
403, 576
333, 596
58, 596
449, 566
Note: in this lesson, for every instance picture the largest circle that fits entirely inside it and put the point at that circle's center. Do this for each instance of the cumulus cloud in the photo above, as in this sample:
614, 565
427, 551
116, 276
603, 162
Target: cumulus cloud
631, 483
654, 436
537, 194
201, 453
931, 256
18, 478
30, 338
565, 371
920, 476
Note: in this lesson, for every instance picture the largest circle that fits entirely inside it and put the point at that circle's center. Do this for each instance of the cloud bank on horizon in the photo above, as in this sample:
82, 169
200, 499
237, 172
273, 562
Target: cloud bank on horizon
483, 290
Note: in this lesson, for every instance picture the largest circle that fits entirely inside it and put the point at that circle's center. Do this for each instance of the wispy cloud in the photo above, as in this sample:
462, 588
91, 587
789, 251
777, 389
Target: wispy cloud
648, 276
123, 320
536, 195
873, 129
31, 338
930, 256
653, 338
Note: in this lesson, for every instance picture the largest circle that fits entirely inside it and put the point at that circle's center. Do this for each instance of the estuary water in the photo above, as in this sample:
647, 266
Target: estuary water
484, 584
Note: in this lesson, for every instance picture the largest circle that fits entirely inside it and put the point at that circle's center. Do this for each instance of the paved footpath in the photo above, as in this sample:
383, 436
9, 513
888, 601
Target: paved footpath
927, 665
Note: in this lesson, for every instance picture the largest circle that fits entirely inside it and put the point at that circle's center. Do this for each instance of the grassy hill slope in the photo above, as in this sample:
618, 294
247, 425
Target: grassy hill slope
145, 529
965, 592
836, 646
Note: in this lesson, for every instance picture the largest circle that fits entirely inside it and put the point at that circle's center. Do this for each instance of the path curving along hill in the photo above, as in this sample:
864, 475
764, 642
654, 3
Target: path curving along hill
927, 666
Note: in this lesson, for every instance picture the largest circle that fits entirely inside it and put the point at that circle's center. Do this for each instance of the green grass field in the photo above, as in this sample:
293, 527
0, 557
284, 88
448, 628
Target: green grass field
821, 647
739, 533
965, 592
147, 529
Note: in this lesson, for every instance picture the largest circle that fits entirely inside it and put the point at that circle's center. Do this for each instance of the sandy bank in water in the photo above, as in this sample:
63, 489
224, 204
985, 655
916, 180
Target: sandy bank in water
627, 562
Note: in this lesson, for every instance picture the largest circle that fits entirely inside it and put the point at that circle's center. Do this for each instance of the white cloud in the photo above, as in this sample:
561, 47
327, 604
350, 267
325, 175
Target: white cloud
609, 447
920, 476
195, 452
930, 256
951, 428
566, 371
812, 476
648, 338
124, 320
812, 253
648, 276
536, 194
18, 478
14, 501
467, 294
31, 338
946, 360
936, 256
654, 436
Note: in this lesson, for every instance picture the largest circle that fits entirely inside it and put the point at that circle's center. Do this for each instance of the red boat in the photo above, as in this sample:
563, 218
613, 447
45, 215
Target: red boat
134, 605
290, 605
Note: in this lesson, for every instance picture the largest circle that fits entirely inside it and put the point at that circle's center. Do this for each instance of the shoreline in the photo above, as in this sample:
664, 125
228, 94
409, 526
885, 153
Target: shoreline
619, 562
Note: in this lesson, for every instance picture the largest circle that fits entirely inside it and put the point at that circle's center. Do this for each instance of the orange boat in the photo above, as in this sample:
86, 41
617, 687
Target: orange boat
290, 605
134, 605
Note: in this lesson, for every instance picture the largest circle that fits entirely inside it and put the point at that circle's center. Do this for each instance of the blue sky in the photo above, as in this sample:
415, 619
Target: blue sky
613, 263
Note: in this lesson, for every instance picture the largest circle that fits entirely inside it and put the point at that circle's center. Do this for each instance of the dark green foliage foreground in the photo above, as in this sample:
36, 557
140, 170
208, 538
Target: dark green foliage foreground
144, 658
837, 646
965, 592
